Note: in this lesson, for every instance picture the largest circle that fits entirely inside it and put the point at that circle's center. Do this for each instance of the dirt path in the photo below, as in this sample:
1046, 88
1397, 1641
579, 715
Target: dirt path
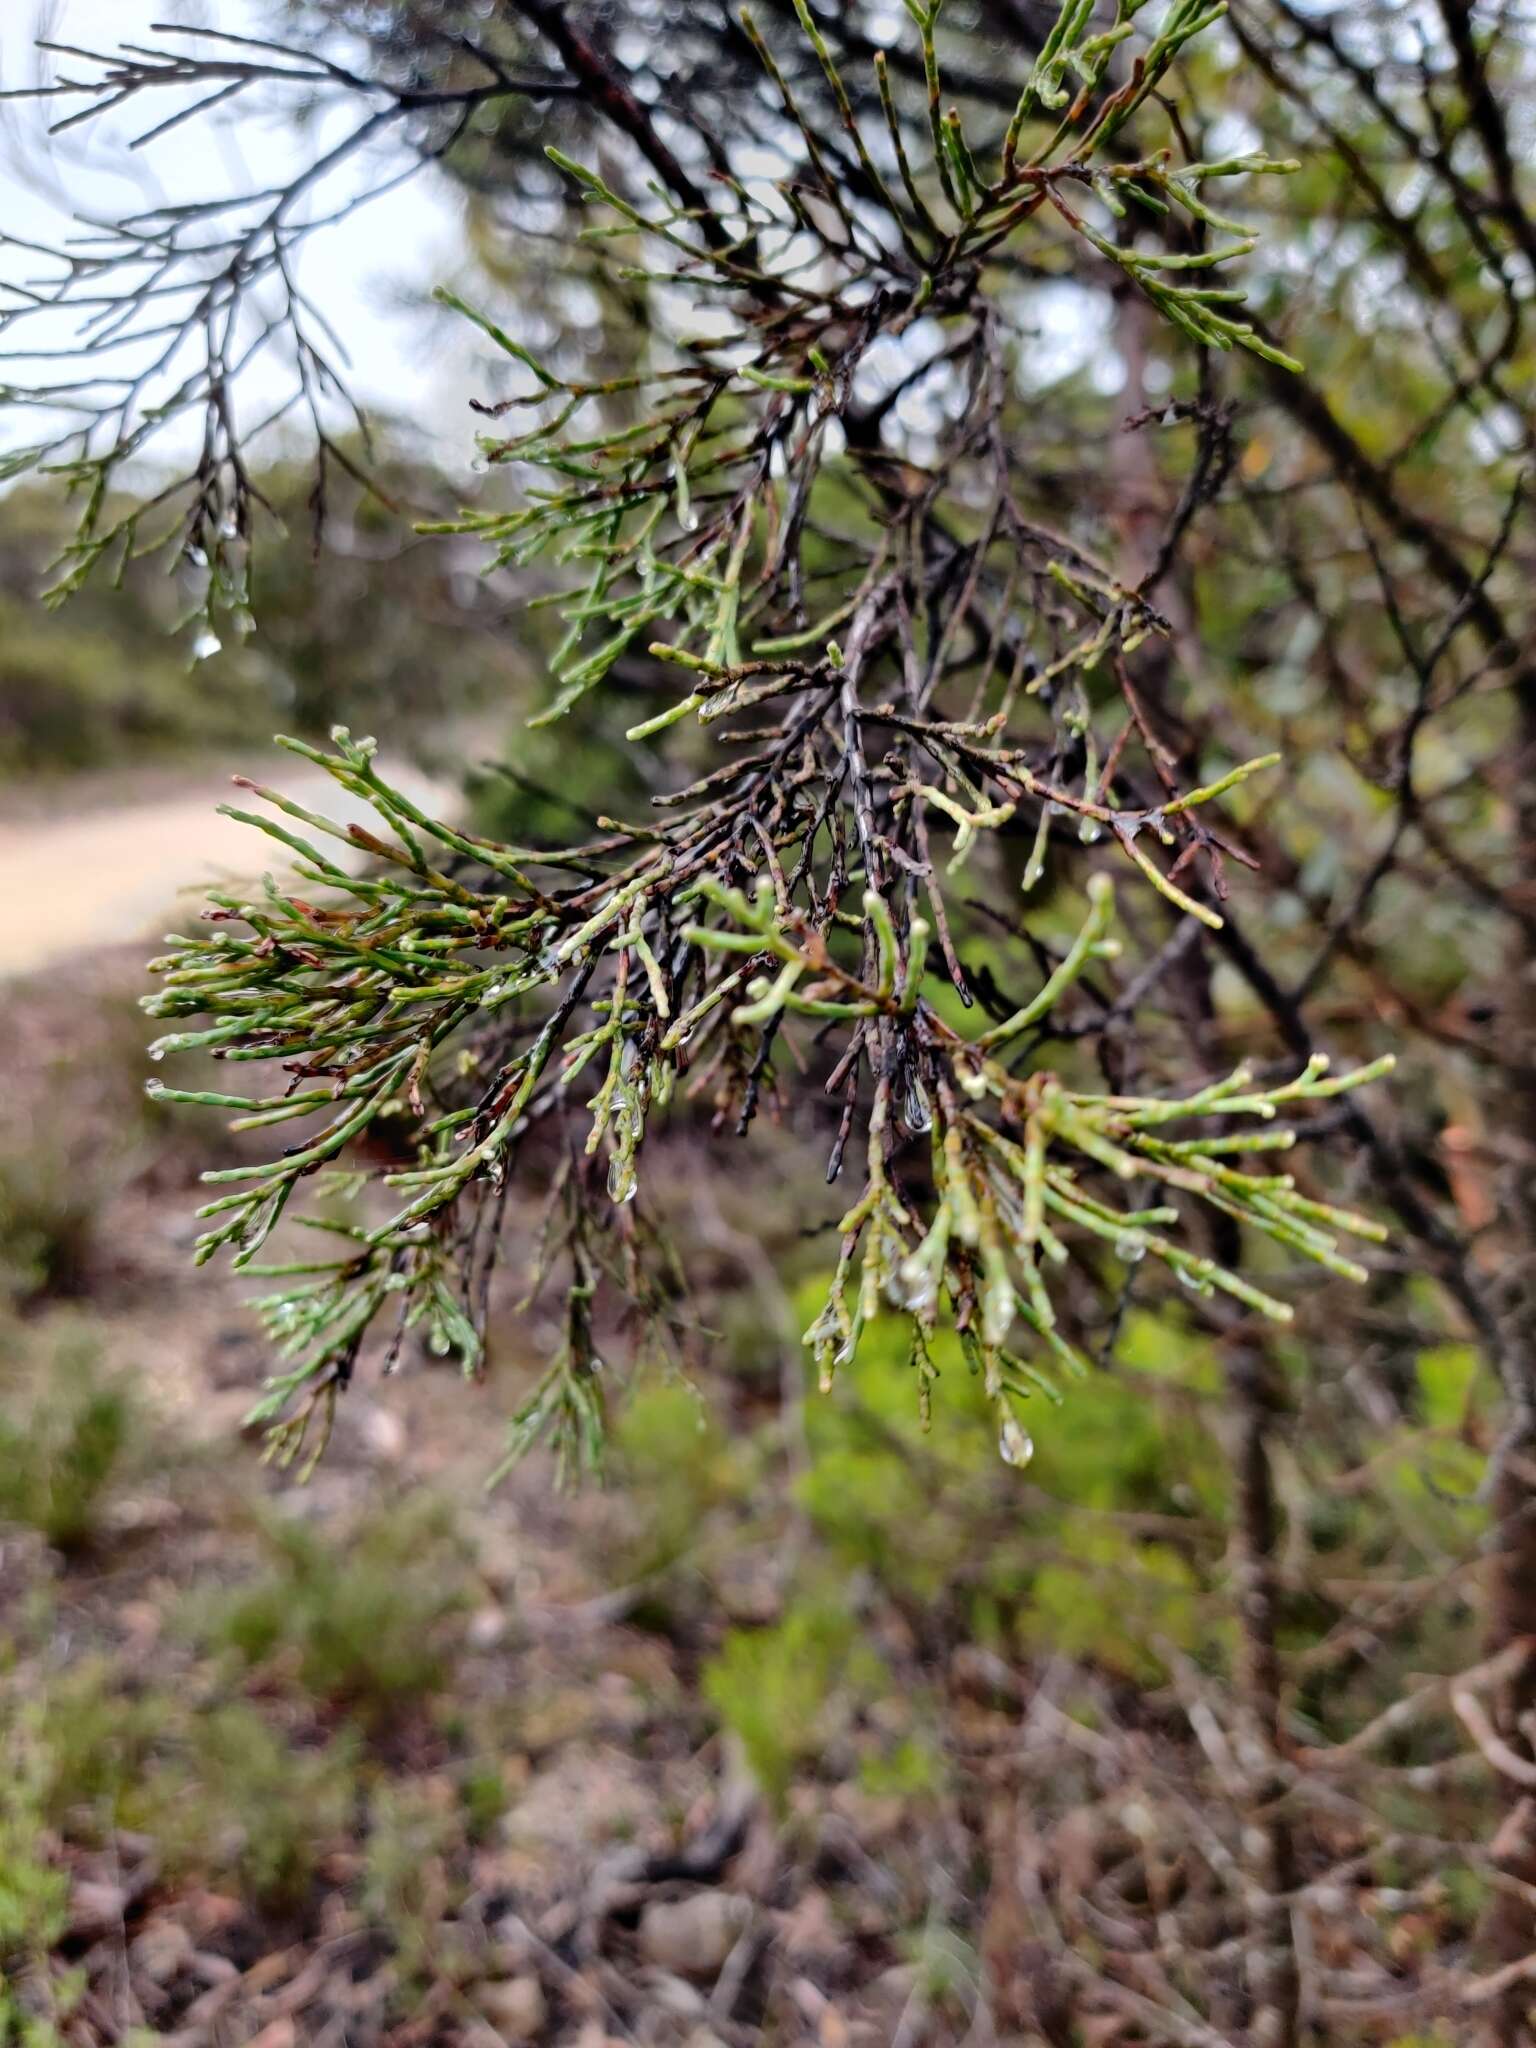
106, 876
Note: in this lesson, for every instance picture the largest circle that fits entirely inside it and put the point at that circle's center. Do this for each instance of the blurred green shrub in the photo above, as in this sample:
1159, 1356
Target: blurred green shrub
78, 690
49, 1208
63, 1448
1057, 1558
352, 635
782, 1690
34, 1894
1114, 1599
910, 1769
94, 1736
407, 1893
266, 1809
678, 1465
360, 1621
222, 1793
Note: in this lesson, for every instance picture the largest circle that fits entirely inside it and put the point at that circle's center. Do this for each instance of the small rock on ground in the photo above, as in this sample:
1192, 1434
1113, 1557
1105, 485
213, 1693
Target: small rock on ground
693, 1936
515, 2007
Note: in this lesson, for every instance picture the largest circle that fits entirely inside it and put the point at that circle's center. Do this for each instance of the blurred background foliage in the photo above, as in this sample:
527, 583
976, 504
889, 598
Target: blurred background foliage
365, 625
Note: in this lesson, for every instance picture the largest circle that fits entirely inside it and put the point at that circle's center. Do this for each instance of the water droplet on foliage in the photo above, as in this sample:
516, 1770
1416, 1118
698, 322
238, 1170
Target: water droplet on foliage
918, 1286
1015, 1445
916, 1111
1130, 1249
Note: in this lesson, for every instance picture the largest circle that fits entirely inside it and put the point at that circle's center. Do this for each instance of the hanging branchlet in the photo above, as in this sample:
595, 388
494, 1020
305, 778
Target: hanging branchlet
910, 676
176, 305
473, 1013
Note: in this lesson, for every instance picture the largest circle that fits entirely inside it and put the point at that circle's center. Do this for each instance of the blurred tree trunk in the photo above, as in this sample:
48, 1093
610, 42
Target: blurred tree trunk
1272, 1973
1509, 1929
1143, 504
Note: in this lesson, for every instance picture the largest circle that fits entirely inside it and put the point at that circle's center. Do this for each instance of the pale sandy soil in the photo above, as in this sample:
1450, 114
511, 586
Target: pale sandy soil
94, 874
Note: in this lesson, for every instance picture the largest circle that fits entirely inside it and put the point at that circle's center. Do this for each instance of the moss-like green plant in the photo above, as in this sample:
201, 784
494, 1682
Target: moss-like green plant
260, 1806
366, 1626
34, 1893
406, 1888
781, 1690
60, 1454
48, 1216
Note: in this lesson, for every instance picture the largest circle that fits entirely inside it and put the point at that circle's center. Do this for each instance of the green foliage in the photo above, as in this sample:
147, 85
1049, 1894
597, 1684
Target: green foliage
34, 1893
1433, 1479
345, 634
1467, 1892
49, 1203
869, 1457
220, 1790
363, 1626
463, 986
781, 1690
95, 1738
266, 1808
988, 1244
1448, 1377
677, 1462
60, 1455
911, 1770
1139, 1436
72, 696
406, 1890
1115, 1599
1070, 1571
484, 1797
